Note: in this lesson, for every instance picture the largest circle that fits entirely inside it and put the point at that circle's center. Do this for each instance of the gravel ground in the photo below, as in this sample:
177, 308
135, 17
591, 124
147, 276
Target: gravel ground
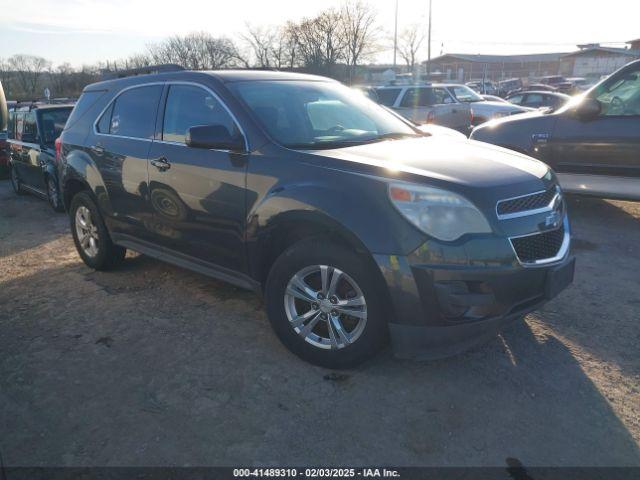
155, 365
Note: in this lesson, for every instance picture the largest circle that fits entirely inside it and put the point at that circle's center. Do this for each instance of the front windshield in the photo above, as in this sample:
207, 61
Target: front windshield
307, 114
465, 94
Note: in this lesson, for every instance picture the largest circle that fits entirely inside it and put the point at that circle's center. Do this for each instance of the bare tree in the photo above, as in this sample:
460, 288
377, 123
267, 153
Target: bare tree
409, 43
61, 79
4, 71
321, 41
261, 43
197, 51
359, 26
290, 44
29, 69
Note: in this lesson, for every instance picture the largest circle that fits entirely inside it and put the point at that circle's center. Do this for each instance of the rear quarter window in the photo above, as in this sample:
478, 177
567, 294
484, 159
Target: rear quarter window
87, 100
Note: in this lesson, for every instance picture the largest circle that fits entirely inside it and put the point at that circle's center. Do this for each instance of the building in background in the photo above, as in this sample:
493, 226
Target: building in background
590, 61
594, 60
465, 67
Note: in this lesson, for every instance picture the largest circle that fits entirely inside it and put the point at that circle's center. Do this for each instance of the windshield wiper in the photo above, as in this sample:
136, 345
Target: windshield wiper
350, 143
391, 136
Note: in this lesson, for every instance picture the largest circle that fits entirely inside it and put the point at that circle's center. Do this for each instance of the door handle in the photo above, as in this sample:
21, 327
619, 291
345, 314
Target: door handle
97, 149
162, 164
455, 110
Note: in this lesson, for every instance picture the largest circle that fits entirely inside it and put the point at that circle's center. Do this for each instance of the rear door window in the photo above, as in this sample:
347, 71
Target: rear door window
105, 120
425, 97
534, 100
516, 99
29, 131
134, 112
53, 122
417, 97
387, 96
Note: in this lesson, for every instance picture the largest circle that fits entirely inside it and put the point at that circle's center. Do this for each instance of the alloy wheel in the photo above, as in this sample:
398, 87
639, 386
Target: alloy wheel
326, 307
87, 232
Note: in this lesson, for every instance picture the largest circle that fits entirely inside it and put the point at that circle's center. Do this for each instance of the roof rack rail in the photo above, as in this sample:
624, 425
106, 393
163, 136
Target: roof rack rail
164, 68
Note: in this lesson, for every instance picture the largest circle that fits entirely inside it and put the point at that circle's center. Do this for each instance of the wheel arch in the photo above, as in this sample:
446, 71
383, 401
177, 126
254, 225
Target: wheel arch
80, 173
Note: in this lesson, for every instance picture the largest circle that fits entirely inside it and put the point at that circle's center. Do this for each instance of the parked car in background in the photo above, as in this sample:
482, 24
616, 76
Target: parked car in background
4, 113
483, 87
538, 99
538, 87
579, 84
507, 86
593, 143
351, 224
427, 104
494, 98
553, 80
438, 130
429, 129
483, 110
4, 153
32, 150
367, 91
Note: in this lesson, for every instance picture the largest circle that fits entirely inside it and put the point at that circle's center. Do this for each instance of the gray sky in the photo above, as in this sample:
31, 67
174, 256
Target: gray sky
87, 31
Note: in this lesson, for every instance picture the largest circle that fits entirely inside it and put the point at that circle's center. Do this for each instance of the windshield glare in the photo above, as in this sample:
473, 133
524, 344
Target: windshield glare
307, 114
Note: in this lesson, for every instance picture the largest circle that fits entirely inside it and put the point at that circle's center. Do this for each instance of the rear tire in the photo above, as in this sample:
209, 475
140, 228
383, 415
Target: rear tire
16, 183
91, 236
53, 196
338, 327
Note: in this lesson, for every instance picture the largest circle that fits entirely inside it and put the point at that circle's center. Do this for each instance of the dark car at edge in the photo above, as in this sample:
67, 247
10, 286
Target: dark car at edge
32, 135
353, 224
592, 143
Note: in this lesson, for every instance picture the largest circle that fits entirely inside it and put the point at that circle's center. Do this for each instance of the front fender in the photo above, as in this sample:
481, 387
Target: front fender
362, 213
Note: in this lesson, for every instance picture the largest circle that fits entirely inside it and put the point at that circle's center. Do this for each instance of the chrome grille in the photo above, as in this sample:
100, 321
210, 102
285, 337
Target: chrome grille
527, 204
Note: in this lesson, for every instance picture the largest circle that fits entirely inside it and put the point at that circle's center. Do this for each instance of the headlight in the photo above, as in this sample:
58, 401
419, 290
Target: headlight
438, 213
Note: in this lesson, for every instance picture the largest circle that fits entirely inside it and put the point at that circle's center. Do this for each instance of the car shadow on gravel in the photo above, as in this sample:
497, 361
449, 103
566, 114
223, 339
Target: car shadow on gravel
154, 365
600, 311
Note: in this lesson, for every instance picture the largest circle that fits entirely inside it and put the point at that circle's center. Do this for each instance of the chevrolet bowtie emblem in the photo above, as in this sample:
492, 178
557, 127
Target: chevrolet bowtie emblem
553, 220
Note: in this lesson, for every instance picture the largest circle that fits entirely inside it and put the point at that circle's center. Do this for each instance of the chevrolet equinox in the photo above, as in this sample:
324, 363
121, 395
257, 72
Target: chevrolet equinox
354, 225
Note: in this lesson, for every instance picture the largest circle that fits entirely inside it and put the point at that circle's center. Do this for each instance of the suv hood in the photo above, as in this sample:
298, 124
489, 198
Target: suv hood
463, 162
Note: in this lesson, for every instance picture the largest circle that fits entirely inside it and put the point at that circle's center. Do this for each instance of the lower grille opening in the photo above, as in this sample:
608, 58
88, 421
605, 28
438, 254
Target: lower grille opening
538, 247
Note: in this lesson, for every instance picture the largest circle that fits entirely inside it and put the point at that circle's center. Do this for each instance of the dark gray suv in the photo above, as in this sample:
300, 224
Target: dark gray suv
353, 224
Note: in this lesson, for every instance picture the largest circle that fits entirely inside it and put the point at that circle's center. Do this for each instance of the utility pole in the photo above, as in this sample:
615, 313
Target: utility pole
395, 41
429, 45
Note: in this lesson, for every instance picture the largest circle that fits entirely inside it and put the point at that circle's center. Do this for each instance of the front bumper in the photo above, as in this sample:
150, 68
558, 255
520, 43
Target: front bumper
442, 309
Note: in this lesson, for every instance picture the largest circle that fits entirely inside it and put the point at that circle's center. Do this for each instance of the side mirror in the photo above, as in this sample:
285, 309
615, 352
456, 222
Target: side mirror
588, 109
213, 137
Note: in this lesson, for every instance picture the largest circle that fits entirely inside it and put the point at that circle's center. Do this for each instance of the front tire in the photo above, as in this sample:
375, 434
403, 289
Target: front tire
91, 236
325, 305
